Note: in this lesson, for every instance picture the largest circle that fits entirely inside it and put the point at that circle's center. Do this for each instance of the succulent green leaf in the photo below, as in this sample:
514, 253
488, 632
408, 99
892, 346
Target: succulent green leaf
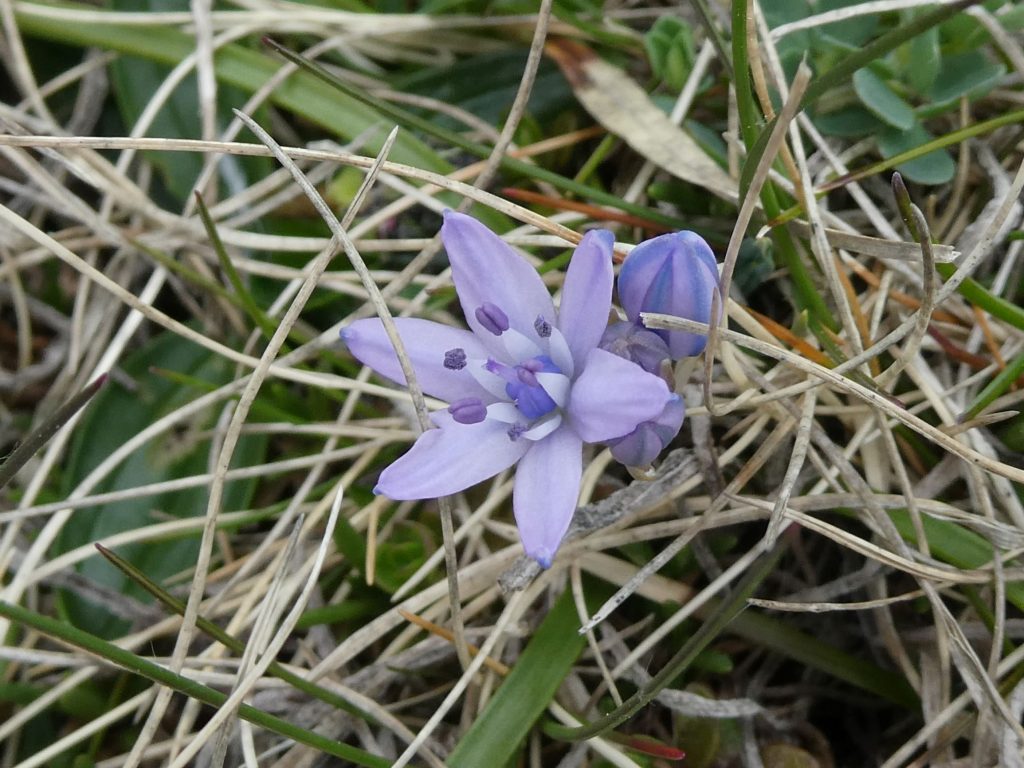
968, 74
935, 167
882, 101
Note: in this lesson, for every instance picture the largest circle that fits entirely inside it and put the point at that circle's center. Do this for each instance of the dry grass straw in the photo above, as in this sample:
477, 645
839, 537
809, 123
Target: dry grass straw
770, 399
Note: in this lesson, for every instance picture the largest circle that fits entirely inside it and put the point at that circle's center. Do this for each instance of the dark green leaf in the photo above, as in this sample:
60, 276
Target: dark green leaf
848, 122
965, 74
882, 101
924, 60
853, 31
933, 168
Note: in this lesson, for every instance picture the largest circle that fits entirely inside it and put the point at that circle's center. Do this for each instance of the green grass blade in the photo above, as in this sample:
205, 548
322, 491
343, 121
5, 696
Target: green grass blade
26, 450
777, 635
957, 546
248, 302
127, 660
975, 292
496, 735
996, 388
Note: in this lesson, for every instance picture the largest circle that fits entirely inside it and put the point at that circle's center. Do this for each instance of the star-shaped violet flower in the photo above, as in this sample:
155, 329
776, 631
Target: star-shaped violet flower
526, 384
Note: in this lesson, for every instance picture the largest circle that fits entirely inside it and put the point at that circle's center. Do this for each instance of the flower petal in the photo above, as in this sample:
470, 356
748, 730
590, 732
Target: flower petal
546, 490
587, 293
486, 269
641, 446
612, 396
426, 343
450, 459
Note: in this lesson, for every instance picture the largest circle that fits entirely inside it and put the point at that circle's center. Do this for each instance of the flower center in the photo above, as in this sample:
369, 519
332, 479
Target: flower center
522, 386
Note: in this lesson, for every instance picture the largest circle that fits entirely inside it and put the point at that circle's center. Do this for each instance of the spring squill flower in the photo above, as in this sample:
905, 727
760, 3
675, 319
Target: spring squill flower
526, 384
673, 274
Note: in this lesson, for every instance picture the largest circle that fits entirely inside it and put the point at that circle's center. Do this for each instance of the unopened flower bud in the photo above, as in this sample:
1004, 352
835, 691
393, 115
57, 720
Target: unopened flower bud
637, 344
674, 274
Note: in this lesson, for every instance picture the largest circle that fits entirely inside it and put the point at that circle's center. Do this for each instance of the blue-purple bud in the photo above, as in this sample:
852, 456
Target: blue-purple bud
641, 446
673, 274
468, 410
492, 318
636, 344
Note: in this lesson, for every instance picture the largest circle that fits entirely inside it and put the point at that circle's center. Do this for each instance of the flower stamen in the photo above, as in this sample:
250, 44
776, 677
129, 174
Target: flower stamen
455, 359
492, 318
468, 410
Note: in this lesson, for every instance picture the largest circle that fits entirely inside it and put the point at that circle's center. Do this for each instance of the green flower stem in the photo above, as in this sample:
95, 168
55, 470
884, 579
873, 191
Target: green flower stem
127, 660
807, 293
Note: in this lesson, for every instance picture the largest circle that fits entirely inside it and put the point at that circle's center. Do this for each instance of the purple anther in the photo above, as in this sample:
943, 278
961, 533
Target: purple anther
492, 318
542, 327
468, 410
455, 359
516, 431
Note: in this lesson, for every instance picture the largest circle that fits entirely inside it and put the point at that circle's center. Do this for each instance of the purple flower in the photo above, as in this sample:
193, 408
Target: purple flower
673, 274
526, 384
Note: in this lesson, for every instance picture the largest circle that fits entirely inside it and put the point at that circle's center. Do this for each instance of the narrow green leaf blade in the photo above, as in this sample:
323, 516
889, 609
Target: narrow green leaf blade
496, 735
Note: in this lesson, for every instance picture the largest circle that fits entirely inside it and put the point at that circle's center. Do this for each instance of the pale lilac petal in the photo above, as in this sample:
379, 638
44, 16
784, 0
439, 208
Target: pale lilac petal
612, 396
491, 382
695, 305
486, 269
450, 459
426, 343
587, 293
546, 489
